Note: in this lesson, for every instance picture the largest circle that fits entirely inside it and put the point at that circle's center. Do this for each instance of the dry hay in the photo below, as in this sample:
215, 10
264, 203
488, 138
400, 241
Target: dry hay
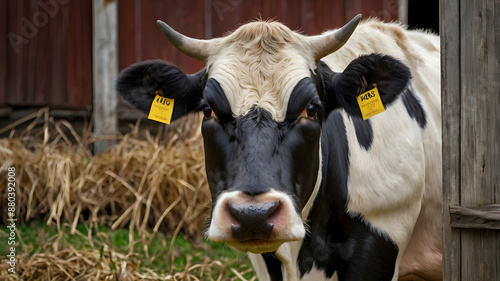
143, 182
106, 264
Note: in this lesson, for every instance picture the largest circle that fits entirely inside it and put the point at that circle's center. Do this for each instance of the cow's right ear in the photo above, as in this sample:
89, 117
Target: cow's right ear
140, 83
339, 90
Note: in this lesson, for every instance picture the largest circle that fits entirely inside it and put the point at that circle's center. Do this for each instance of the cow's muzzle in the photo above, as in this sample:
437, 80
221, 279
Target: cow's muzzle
255, 223
252, 220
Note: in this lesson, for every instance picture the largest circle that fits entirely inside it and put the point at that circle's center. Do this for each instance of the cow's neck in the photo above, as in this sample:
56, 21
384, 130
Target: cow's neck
289, 252
307, 208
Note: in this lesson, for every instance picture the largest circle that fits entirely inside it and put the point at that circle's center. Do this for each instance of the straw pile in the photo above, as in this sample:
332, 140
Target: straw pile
72, 264
143, 182
146, 183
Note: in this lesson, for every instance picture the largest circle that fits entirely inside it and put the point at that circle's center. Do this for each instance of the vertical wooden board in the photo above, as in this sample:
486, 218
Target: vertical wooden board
478, 114
28, 56
272, 10
479, 258
310, 16
493, 82
498, 254
187, 18
322, 15
11, 50
384, 9
33, 59
228, 15
192, 15
71, 40
479, 132
291, 14
105, 69
56, 42
128, 34
154, 44
450, 104
84, 57
16, 91
333, 14
74, 85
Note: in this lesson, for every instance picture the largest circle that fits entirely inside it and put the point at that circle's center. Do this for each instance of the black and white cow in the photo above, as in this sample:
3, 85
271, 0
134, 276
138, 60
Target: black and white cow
298, 178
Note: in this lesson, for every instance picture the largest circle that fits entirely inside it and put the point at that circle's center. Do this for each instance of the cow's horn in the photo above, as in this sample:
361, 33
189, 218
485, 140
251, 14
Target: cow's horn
328, 43
195, 48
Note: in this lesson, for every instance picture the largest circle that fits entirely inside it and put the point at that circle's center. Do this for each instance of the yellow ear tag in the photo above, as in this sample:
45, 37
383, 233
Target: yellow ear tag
161, 109
370, 103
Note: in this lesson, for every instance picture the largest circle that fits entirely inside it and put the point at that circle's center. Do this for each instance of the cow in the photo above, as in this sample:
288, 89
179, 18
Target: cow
299, 178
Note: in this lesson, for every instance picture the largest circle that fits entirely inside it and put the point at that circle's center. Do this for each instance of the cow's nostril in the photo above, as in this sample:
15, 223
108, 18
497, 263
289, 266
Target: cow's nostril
252, 220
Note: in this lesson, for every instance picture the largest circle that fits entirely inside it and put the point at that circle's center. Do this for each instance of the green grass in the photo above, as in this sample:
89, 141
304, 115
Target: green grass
160, 253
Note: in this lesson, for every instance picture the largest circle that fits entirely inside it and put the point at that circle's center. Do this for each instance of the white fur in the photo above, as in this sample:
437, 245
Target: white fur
318, 275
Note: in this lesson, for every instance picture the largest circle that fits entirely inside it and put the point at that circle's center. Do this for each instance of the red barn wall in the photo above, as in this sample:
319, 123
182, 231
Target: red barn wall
46, 54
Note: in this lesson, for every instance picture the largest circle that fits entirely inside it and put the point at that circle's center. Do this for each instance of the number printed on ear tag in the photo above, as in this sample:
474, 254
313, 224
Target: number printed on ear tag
370, 103
161, 109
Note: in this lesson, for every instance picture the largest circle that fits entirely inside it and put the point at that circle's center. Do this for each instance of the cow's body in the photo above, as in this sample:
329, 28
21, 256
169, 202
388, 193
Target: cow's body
395, 180
369, 202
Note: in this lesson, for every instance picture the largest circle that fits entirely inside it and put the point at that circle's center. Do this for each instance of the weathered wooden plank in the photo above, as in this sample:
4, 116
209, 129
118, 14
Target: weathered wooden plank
105, 69
50, 83
478, 112
450, 105
479, 258
479, 133
386, 10
84, 60
485, 217
129, 33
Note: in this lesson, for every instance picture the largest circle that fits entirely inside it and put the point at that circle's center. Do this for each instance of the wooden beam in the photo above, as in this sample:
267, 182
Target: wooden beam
485, 217
403, 11
450, 105
105, 69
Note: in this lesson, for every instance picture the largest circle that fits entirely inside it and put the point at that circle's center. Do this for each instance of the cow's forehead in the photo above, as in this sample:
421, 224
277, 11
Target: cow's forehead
259, 65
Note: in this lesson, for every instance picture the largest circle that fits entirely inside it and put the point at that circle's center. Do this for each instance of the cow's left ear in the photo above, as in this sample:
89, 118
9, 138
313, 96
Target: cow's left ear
341, 89
138, 84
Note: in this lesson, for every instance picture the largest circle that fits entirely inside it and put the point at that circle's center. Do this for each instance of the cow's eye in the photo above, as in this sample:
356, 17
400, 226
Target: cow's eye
208, 112
312, 111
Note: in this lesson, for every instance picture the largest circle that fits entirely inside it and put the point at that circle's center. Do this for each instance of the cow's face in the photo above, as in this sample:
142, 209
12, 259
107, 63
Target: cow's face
261, 134
263, 96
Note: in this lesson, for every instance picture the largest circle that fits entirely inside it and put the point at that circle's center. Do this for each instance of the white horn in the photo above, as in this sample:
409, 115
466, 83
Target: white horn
328, 43
195, 48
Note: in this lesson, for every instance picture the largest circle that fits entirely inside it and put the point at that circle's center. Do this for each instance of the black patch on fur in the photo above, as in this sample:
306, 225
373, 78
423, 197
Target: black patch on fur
215, 97
339, 242
139, 83
273, 265
304, 93
364, 131
414, 107
341, 89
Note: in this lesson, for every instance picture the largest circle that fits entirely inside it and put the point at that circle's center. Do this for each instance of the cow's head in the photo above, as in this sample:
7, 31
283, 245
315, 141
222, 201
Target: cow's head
264, 94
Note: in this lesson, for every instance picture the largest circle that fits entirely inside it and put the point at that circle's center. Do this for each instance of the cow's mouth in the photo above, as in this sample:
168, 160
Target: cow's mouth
256, 246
